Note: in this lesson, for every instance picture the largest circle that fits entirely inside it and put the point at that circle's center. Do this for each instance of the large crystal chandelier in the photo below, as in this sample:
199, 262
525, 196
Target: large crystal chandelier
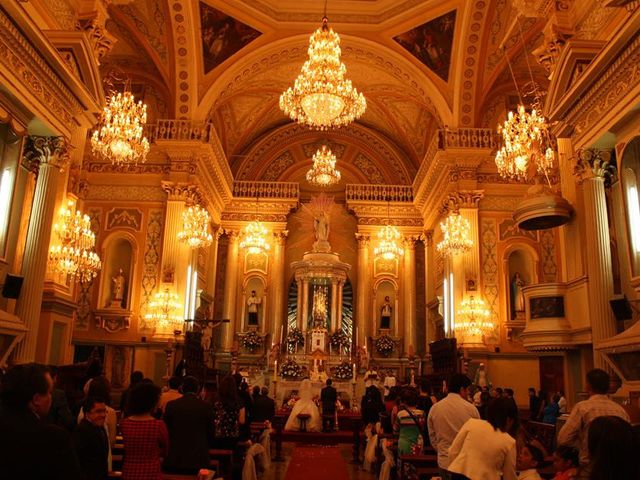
456, 235
119, 137
323, 172
254, 238
388, 239
321, 97
163, 308
74, 255
195, 227
473, 319
525, 140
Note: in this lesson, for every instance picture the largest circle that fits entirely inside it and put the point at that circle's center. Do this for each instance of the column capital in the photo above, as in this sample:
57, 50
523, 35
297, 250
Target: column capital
46, 151
454, 201
280, 236
427, 237
178, 191
363, 239
233, 234
409, 242
594, 163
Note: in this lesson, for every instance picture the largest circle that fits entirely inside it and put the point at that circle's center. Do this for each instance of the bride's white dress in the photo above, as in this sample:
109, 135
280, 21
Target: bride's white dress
304, 405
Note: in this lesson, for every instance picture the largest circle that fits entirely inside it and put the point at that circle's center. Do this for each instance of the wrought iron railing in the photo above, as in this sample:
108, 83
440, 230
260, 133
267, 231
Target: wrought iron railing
379, 193
258, 189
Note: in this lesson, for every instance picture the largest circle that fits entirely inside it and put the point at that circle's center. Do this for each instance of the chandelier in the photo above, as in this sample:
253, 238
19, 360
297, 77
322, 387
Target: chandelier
474, 318
254, 238
321, 97
162, 310
119, 137
74, 255
388, 238
456, 236
525, 140
195, 227
323, 172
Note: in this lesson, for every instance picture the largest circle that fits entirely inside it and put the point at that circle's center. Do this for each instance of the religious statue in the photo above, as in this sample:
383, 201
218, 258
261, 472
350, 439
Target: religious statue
517, 296
118, 288
321, 226
385, 314
481, 379
319, 312
362, 356
252, 306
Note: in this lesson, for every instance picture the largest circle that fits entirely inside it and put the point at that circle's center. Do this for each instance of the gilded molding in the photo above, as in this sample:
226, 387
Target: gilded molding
454, 201
594, 163
181, 191
47, 150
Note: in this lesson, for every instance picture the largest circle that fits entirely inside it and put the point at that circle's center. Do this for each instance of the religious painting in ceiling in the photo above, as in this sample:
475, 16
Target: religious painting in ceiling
222, 36
431, 43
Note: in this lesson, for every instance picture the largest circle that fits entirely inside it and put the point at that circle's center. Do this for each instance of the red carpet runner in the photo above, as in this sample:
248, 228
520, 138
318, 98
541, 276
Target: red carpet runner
317, 463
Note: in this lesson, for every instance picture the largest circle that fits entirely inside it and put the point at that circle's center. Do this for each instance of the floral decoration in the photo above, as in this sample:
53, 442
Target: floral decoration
295, 338
344, 371
339, 339
384, 345
251, 341
290, 369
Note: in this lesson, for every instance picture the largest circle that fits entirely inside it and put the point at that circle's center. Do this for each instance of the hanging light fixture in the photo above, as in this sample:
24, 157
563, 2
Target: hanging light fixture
473, 319
456, 232
195, 227
321, 97
119, 136
388, 239
163, 310
323, 173
254, 237
74, 255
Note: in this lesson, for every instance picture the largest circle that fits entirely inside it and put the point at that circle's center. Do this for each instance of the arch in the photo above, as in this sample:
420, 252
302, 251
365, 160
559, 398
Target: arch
258, 282
517, 247
118, 250
385, 286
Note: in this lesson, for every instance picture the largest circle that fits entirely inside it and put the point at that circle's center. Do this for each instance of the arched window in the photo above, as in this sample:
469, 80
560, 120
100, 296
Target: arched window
631, 188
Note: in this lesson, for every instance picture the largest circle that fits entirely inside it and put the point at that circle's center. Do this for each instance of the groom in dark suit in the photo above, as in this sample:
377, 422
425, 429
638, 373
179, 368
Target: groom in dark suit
328, 397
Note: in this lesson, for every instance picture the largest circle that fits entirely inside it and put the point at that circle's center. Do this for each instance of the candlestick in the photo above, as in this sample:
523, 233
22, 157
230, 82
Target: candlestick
354, 372
281, 333
275, 370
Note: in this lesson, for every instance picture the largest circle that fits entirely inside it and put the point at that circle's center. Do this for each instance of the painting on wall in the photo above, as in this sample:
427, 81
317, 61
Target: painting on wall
222, 36
431, 43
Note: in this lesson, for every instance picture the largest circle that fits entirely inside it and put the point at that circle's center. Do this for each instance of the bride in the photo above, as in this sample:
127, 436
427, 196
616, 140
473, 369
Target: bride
305, 405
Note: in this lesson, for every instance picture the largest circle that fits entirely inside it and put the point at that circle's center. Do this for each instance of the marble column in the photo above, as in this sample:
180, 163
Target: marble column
409, 288
305, 304
594, 172
278, 288
230, 291
212, 264
428, 282
362, 322
334, 303
339, 305
49, 155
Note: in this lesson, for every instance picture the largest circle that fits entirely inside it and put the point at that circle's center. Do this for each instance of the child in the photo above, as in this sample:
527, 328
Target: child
565, 463
529, 459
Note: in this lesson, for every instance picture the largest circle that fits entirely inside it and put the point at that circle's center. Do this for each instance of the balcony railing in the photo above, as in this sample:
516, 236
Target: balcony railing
257, 189
379, 193
179, 130
467, 138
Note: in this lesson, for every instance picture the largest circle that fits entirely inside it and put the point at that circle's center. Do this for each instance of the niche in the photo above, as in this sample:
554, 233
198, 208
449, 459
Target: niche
521, 272
116, 275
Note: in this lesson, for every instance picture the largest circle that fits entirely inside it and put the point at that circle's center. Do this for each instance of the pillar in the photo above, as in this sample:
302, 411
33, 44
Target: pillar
429, 283
593, 171
51, 155
362, 324
299, 304
305, 304
212, 266
409, 288
279, 287
339, 306
230, 291
334, 303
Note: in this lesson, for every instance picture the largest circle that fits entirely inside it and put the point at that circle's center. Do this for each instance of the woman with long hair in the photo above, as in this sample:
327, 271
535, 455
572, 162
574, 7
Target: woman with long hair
229, 414
613, 449
371, 405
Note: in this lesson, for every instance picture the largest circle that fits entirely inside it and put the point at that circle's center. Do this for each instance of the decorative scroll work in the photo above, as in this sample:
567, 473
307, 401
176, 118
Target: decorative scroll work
549, 266
488, 251
84, 312
151, 258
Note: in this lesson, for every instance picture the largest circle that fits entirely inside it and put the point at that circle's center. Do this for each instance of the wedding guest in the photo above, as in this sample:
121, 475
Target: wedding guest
483, 449
60, 413
551, 411
424, 400
101, 388
135, 378
543, 402
562, 403
613, 449
172, 393
534, 403
530, 459
31, 448
145, 438
328, 398
371, 405
90, 440
409, 423
264, 408
485, 399
228, 415
565, 463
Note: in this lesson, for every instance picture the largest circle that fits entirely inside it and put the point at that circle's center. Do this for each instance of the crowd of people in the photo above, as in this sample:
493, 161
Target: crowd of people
41, 437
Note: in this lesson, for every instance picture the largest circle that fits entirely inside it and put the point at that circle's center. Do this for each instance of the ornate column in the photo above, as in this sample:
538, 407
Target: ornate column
339, 305
409, 288
428, 281
305, 304
212, 266
230, 290
334, 303
49, 155
594, 173
362, 322
299, 304
279, 288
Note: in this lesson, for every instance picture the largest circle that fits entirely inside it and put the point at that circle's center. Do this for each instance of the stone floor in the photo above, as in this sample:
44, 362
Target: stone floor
279, 469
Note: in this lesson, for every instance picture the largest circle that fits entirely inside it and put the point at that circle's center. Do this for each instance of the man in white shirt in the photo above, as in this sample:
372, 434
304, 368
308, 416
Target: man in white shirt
447, 416
562, 403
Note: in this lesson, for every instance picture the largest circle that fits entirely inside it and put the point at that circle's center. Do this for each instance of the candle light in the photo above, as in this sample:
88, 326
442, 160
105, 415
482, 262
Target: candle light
281, 333
275, 370
354, 372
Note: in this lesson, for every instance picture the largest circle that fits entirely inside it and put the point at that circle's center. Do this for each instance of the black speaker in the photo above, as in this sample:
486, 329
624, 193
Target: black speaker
12, 286
621, 308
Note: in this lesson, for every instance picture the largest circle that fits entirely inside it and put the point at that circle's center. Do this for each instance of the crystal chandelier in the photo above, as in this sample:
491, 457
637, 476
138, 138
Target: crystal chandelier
254, 238
74, 255
525, 140
456, 235
321, 97
119, 137
162, 310
323, 172
474, 318
388, 238
195, 227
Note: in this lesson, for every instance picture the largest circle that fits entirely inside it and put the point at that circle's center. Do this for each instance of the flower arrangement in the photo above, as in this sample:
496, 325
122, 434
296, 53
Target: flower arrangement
252, 341
290, 369
384, 345
344, 371
339, 340
294, 339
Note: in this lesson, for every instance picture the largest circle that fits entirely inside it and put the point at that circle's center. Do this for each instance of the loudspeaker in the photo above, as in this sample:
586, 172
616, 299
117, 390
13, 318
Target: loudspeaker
12, 286
621, 309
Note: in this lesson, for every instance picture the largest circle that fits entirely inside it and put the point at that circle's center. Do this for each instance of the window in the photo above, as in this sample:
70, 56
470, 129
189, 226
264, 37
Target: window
631, 192
10, 145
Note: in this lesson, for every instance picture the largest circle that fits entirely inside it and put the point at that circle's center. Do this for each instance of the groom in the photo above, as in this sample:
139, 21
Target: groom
328, 397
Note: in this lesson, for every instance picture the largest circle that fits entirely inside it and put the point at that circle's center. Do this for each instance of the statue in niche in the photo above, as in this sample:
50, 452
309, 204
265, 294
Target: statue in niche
117, 295
321, 226
517, 296
252, 307
320, 208
385, 314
